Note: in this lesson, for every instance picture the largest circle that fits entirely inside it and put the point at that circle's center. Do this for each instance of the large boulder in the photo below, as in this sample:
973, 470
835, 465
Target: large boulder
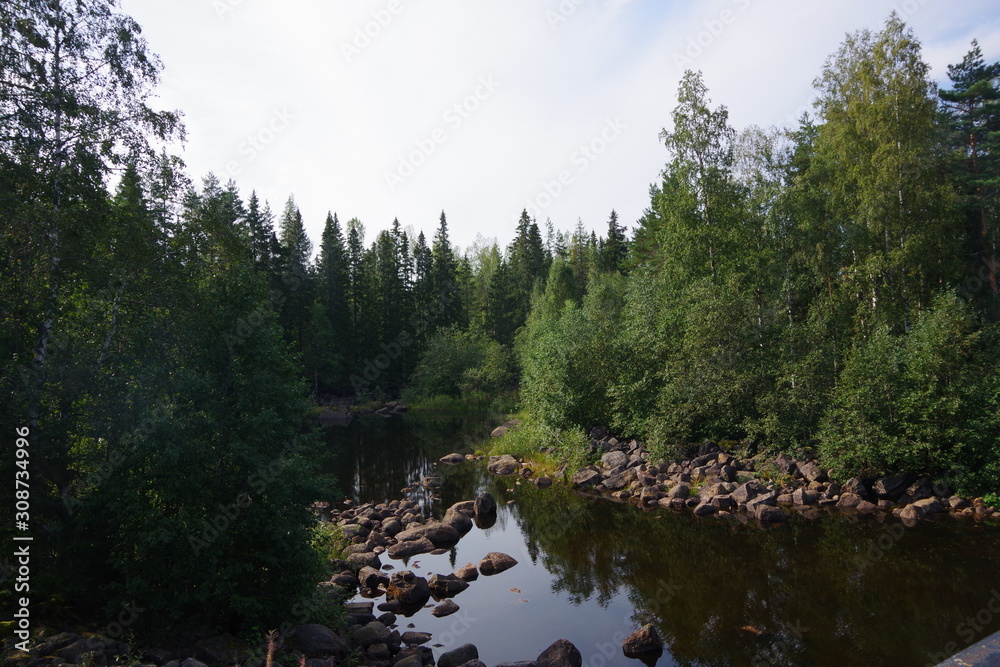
356, 562
369, 577
467, 572
446, 608
619, 481
849, 501
562, 653
921, 509
643, 643
892, 487
744, 493
505, 464
371, 633
458, 656
485, 504
415, 638
317, 641
681, 490
440, 534
812, 472
411, 548
409, 589
495, 563
457, 520
768, 498
586, 477
446, 585
785, 464
803, 496
857, 487
768, 515
612, 460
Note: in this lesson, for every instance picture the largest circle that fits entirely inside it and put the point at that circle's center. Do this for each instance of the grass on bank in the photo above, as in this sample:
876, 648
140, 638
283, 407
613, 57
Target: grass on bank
545, 448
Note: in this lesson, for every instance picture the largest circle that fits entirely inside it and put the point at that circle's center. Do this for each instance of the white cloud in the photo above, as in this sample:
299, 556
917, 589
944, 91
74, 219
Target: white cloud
367, 86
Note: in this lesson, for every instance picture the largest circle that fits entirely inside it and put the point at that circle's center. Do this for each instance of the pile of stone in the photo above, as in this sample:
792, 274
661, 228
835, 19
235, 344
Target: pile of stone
713, 482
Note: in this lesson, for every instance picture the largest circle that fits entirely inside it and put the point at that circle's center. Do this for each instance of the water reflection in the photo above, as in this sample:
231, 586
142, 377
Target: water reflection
835, 591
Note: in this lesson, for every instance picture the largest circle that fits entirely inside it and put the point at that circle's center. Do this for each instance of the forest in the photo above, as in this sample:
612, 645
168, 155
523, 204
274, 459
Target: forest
166, 342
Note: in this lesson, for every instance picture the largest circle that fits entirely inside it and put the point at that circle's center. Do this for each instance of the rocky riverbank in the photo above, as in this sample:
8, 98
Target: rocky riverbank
765, 488
371, 635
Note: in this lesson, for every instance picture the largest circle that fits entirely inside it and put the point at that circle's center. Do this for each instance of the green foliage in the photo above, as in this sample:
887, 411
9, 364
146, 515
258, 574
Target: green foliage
921, 401
457, 363
569, 445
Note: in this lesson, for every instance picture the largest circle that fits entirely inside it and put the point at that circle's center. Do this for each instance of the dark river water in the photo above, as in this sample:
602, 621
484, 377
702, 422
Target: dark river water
838, 590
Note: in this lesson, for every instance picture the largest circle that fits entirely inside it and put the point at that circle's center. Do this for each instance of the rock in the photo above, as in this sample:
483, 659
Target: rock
642, 643
812, 472
682, 490
586, 477
805, 497
768, 498
958, 503
372, 633
612, 460
705, 509
379, 653
768, 515
485, 504
723, 502
388, 619
411, 548
412, 660
457, 520
221, 649
744, 493
440, 534
728, 473
562, 653
543, 482
865, 506
784, 499
649, 495
356, 562
785, 464
446, 608
619, 481
431, 482
458, 656
503, 465
446, 585
416, 637
519, 663
849, 501
467, 572
411, 590
892, 487
317, 641
452, 459
919, 490
369, 577
353, 531
857, 487
921, 509
391, 526
495, 563
498, 431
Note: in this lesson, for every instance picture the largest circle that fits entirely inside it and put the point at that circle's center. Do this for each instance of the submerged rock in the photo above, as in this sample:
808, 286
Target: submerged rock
643, 643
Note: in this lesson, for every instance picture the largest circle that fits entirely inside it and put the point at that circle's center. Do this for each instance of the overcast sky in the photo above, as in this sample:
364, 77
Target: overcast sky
405, 108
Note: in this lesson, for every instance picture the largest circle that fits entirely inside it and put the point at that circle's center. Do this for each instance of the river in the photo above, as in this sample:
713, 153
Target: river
838, 590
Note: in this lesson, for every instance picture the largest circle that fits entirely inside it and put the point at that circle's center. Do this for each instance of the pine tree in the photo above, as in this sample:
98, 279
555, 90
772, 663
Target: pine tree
972, 110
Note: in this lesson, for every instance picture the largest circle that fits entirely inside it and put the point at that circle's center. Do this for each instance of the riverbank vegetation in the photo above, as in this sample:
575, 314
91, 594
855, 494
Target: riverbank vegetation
832, 284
